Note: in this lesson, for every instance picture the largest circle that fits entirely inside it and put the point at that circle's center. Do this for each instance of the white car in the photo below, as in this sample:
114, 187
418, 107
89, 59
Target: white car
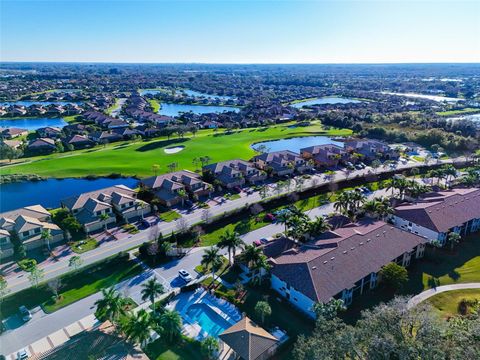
185, 275
22, 355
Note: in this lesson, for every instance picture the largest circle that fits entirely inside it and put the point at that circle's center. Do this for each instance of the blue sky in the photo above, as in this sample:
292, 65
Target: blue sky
246, 31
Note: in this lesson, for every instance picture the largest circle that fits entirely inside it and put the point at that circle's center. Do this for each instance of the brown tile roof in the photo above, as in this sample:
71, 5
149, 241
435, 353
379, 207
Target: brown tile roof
322, 268
443, 210
247, 339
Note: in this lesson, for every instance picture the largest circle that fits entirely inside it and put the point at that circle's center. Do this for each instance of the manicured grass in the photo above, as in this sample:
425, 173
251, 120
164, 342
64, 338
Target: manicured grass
242, 226
447, 302
84, 245
170, 215
457, 112
418, 158
155, 105
75, 286
142, 155
112, 107
201, 270
185, 349
232, 196
91, 283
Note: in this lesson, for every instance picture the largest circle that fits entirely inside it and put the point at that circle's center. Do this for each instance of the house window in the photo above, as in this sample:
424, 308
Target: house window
25, 233
410, 224
37, 230
98, 213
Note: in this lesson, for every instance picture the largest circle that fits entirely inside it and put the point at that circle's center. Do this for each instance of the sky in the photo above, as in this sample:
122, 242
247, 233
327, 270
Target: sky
227, 31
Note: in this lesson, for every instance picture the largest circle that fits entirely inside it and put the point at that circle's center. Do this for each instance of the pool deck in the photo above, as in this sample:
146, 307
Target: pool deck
191, 328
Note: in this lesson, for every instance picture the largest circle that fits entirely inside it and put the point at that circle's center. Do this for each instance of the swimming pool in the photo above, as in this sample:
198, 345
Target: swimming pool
210, 322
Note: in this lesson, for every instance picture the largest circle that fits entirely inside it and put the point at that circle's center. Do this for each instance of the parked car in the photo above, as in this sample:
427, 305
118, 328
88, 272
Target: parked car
264, 240
25, 313
257, 243
185, 275
269, 217
188, 203
358, 167
22, 355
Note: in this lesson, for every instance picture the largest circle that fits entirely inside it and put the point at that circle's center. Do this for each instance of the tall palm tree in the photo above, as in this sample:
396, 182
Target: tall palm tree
104, 217
260, 264
111, 306
171, 323
449, 172
251, 254
318, 226
213, 260
150, 290
230, 240
183, 195
400, 184
137, 327
378, 207
349, 202
453, 238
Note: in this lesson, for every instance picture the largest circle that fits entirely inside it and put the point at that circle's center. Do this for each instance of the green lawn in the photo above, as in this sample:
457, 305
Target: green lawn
142, 155
170, 215
186, 349
155, 105
447, 302
84, 245
75, 286
457, 112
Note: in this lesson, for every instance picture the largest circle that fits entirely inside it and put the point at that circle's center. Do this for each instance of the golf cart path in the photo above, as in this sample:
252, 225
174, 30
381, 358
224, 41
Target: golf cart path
414, 301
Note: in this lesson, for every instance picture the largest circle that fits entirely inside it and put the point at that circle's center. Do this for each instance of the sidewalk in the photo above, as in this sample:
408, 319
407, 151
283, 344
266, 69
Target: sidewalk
417, 299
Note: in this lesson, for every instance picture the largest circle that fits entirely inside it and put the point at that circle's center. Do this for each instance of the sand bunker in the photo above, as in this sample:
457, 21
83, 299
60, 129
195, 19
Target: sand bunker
173, 150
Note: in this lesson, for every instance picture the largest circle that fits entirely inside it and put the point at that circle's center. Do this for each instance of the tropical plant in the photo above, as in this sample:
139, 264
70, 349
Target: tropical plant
260, 264
400, 184
349, 202
318, 226
150, 290
394, 276
251, 254
36, 275
155, 168
330, 309
111, 306
183, 195
263, 309
171, 324
211, 259
453, 238
230, 240
137, 327
378, 207
75, 262
46, 236
104, 217
209, 347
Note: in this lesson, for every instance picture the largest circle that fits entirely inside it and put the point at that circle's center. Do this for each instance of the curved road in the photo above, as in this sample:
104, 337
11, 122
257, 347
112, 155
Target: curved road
417, 299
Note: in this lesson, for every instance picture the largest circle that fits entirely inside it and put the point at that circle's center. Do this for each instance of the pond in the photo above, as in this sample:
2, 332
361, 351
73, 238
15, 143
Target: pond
151, 91
297, 143
206, 96
473, 117
171, 109
325, 100
423, 96
32, 102
32, 123
48, 193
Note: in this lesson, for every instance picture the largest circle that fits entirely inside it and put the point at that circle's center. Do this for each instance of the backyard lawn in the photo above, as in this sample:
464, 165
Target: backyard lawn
187, 349
170, 215
447, 302
137, 158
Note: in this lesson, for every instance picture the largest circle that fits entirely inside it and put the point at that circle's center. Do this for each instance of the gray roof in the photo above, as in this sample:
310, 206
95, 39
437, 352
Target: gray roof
79, 201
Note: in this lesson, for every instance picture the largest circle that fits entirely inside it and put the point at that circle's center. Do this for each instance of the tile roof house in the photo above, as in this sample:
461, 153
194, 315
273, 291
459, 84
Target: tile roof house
234, 173
79, 141
27, 225
340, 263
115, 200
371, 149
42, 144
50, 132
438, 213
14, 144
281, 162
10, 133
166, 187
249, 341
328, 155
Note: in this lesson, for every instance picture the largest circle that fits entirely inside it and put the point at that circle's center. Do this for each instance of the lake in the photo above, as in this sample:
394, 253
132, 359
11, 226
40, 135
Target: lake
48, 193
151, 92
325, 100
473, 117
32, 123
297, 143
43, 103
206, 96
423, 96
171, 109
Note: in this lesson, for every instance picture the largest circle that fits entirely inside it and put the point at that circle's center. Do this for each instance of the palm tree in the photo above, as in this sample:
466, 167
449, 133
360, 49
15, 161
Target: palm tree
47, 237
400, 184
251, 254
260, 264
348, 203
262, 309
150, 290
318, 226
213, 260
183, 195
453, 238
449, 172
137, 327
378, 207
330, 309
231, 241
111, 306
104, 217
155, 168
209, 347
171, 323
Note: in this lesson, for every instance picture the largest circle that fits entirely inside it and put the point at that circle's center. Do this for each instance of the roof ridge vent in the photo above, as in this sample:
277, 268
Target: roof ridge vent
325, 262
362, 243
332, 258
314, 267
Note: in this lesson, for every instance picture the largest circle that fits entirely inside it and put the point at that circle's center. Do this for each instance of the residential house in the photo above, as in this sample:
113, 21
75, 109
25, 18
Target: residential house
438, 213
371, 149
105, 137
327, 155
247, 341
89, 208
341, 263
49, 132
167, 187
14, 144
43, 145
234, 173
11, 133
26, 225
79, 141
281, 163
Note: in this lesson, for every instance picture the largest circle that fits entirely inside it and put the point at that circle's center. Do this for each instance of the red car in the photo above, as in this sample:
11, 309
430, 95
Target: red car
270, 217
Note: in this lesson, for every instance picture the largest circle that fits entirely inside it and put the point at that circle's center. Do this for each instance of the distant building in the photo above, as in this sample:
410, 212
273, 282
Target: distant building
281, 162
234, 173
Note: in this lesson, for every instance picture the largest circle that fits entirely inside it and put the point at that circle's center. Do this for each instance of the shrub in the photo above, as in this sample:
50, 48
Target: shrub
394, 276
27, 264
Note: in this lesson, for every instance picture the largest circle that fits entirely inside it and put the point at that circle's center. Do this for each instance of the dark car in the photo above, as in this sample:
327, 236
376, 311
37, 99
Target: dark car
237, 189
25, 314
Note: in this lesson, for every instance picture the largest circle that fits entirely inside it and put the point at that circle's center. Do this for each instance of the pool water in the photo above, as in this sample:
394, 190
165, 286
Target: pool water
210, 322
